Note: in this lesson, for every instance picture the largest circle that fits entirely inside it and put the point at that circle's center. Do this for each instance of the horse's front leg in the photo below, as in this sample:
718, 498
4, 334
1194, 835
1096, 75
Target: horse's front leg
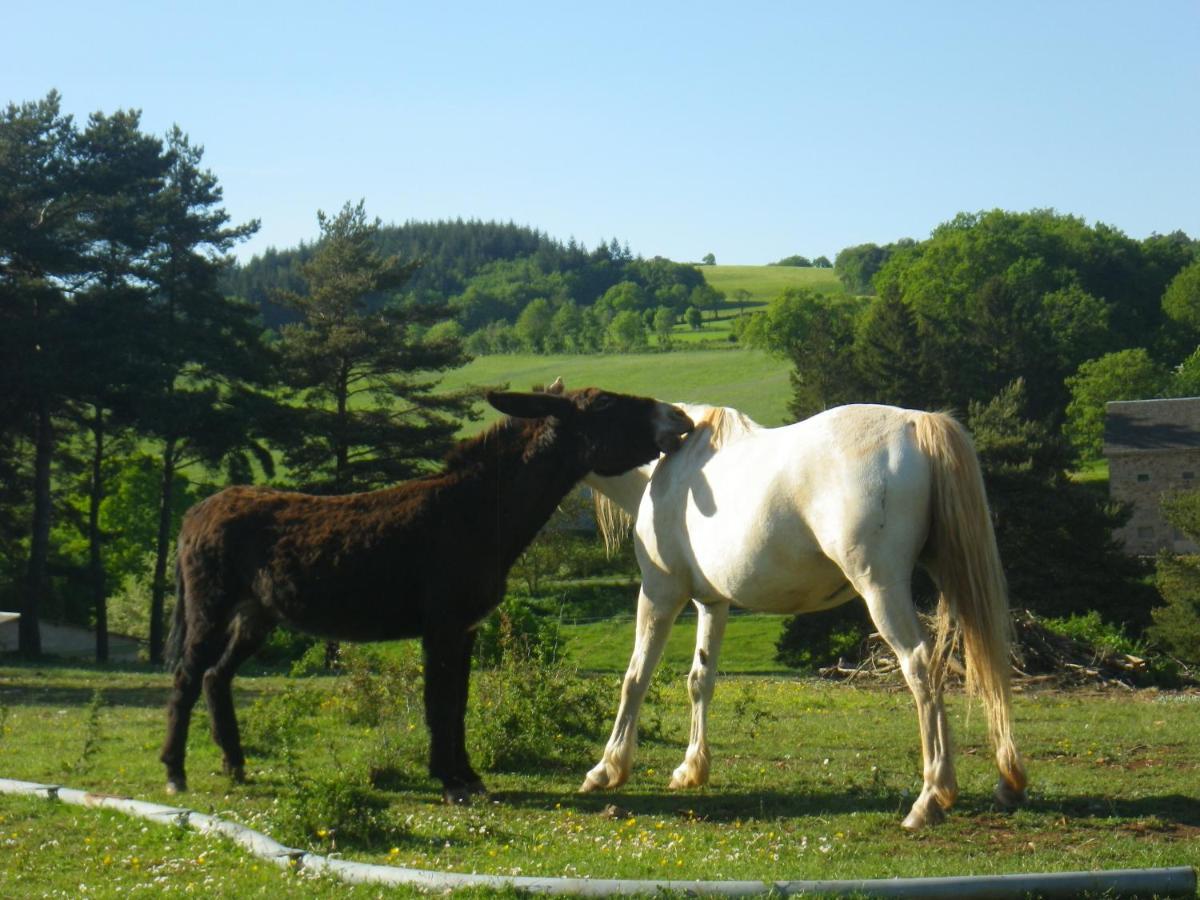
447, 680
654, 620
710, 632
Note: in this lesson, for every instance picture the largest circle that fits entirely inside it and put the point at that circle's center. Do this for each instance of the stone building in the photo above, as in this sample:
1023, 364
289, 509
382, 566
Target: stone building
1153, 448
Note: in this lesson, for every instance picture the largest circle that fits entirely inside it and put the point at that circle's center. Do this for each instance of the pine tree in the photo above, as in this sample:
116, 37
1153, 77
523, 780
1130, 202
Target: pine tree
207, 348
355, 341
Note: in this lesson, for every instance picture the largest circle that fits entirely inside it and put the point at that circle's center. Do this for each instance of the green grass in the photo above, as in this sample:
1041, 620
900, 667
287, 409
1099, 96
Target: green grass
764, 283
749, 380
749, 645
810, 780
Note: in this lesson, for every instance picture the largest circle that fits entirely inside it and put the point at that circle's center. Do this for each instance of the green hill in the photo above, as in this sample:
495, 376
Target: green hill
764, 283
749, 380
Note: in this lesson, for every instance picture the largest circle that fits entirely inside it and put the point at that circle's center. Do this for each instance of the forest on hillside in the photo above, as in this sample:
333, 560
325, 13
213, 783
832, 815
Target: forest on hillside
143, 368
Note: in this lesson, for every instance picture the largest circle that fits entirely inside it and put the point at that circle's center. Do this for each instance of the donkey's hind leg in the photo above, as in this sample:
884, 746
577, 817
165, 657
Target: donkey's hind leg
201, 651
247, 635
710, 632
891, 608
654, 621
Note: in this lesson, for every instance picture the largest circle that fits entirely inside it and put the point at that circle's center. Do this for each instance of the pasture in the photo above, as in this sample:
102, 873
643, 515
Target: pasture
749, 380
764, 283
810, 780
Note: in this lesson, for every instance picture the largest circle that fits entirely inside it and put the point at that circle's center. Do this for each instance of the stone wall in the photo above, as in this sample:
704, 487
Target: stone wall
1141, 478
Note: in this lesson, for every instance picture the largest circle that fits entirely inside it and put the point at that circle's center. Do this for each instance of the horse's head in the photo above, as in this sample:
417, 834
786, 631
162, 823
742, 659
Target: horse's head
616, 432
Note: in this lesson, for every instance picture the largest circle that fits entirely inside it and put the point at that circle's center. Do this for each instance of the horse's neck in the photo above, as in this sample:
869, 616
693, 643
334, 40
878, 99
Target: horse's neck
626, 489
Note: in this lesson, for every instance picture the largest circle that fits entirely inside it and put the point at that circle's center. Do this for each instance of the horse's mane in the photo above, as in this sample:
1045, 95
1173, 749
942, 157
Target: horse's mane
716, 426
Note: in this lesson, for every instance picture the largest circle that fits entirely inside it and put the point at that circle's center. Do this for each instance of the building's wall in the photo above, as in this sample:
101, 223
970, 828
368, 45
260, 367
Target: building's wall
1141, 479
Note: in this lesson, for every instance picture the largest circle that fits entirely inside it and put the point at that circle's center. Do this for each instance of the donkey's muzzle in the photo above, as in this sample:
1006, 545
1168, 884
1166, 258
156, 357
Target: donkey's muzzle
673, 424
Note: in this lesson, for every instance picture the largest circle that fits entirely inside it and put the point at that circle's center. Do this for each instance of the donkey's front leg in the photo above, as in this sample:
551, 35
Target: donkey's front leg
654, 620
447, 678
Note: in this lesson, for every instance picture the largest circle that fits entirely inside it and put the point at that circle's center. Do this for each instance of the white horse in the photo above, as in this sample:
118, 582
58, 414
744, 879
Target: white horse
803, 518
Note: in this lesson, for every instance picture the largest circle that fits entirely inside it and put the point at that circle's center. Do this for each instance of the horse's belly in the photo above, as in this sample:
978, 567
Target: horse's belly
778, 580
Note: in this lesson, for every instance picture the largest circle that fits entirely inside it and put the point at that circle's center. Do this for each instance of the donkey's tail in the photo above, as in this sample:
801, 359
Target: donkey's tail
966, 565
173, 651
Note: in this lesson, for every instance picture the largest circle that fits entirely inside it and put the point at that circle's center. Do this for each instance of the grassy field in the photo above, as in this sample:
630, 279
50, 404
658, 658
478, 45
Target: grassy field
753, 382
810, 780
748, 648
764, 283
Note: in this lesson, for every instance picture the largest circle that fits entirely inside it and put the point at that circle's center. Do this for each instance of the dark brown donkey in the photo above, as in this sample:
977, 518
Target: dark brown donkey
427, 558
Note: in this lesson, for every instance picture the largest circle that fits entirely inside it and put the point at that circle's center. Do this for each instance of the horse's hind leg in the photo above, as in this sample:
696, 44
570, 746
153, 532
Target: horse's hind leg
710, 632
892, 611
654, 620
246, 637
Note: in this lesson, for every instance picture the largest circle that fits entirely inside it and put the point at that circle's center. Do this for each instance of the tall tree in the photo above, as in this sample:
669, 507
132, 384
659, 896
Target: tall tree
207, 348
355, 340
124, 171
1055, 535
48, 199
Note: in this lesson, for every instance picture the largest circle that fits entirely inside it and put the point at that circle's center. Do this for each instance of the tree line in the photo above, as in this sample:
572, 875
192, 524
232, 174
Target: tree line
133, 381
514, 289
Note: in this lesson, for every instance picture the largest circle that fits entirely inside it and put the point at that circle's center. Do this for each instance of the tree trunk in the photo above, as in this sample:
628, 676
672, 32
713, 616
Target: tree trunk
161, 552
95, 560
29, 635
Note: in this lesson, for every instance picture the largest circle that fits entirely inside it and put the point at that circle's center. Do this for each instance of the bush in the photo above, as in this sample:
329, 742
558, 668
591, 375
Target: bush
812, 640
1176, 624
533, 710
520, 625
326, 808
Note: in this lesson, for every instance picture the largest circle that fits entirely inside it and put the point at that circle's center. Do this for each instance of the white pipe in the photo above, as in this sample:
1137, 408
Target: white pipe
1177, 881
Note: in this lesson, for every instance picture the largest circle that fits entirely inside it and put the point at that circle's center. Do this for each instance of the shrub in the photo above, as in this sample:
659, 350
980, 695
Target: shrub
518, 625
533, 709
334, 806
812, 640
1176, 624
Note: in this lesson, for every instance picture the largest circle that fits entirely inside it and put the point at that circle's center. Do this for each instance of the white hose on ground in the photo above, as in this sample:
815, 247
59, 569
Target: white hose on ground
1176, 881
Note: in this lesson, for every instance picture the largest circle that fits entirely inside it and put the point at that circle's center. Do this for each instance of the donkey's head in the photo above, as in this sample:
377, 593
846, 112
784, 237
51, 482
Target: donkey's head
615, 432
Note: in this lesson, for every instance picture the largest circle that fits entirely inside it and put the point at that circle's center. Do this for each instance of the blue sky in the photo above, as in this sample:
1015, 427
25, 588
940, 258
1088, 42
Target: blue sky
749, 130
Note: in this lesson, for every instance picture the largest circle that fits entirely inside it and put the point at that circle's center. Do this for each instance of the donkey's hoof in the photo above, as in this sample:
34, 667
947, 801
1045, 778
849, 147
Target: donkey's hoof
1007, 797
176, 785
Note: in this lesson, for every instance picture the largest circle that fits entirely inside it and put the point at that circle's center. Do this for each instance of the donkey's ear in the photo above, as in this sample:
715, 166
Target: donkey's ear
530, 406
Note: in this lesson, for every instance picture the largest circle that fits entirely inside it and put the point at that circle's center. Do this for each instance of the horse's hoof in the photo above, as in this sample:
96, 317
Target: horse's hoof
923, 816
1006, 797
176, 786
686, 777
237, 774
461, 795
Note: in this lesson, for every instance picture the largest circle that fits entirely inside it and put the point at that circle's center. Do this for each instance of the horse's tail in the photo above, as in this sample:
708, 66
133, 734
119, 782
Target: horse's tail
173, 651
967, 567
613, 522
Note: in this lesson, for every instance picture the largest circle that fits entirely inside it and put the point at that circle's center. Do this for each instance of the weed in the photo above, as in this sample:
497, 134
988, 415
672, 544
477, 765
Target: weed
749, 713
91, 736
